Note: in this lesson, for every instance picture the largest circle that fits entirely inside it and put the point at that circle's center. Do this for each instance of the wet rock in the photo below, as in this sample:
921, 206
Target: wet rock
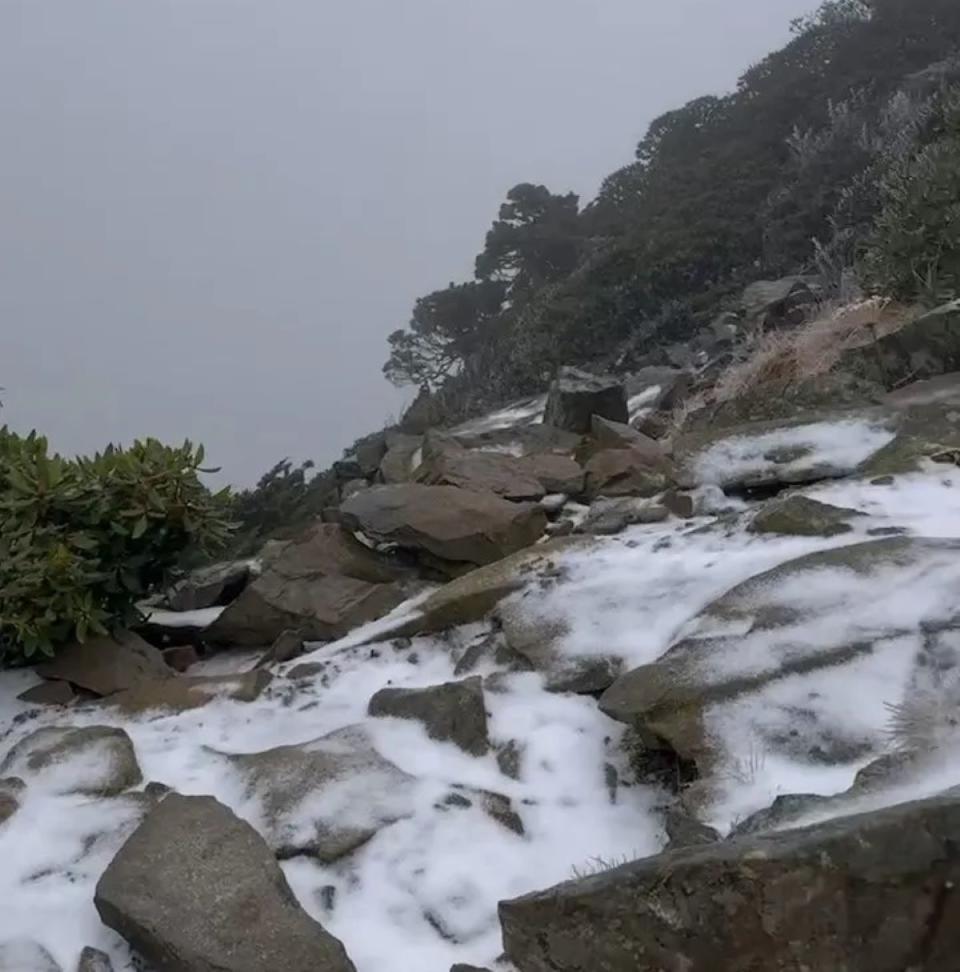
452, 712
197, 888
461, 526
106, 665
323, 798
49, 693
576, 396
94, 760
191, 692
800, 516
868, 893
323, 584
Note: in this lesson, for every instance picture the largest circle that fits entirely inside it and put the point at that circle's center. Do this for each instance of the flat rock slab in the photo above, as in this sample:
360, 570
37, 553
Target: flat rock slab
323, 798
761, 455
108, 664
191, 692
49, 693
196, 889
322, 584
870, 893
459, 525
210, 586
452, 712
765, 658
800, 516
501, 474
626, 472
94, 760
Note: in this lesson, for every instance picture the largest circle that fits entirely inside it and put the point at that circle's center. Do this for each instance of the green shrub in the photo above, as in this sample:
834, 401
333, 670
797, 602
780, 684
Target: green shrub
915, 247
81, 541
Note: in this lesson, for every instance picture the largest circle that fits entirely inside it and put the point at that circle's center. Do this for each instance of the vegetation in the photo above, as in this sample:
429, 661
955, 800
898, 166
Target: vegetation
835, 155
81, 541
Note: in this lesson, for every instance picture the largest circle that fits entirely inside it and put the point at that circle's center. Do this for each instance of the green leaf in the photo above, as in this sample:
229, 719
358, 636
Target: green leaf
139, 528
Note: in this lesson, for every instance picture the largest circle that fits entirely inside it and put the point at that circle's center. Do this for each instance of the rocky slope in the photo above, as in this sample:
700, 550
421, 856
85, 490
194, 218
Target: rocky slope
699, 712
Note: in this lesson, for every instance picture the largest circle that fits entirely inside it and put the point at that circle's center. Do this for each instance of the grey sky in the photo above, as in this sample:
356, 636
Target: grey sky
212, 212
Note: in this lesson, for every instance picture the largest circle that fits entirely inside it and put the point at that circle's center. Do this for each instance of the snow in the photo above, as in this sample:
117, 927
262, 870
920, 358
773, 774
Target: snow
201, 618
839, 446
641, 403
527, 411
422, 893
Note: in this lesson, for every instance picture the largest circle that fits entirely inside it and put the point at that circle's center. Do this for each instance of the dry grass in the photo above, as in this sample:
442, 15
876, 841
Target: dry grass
779, 358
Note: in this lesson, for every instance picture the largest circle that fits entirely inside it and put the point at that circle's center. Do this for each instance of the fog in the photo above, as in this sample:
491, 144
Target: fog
212, 212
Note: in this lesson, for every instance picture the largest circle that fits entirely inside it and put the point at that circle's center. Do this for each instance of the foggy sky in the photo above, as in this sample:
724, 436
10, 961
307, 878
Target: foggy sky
212, 212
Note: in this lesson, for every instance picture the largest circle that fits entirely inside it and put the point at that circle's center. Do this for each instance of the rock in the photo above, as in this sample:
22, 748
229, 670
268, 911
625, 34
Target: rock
799, 516
397, 465
868, 893
307, 670
460, 967
495, 805
576, 396
180, 657
93, 960
287, 646
654, 425
766, 456
49, 693
460, 526
423, 414
196, 888
106, 665
758, 635
94, 760
26, 955
352, 486
625, 472
777, 302
610, 516
614, 435
781, 812
323, 584
510, 758
452, 712
686, 831
369, 452
538, 640
927, 346
554, 503
191, 692
522, 441
556, 473
450, 464
209, 586
326, 797
475, 594
682, 505
10, 791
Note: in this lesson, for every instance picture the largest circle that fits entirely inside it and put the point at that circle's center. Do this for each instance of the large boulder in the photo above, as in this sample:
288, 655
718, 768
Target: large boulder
453, 712
556, 473
447, 463
399, 461
800, 516
761, 663
774, 303
626, 472
107, 664
93, 760
461, 526
196, 889
323, 798
576, 396
870, 893
926, 346
208, 587
323, 584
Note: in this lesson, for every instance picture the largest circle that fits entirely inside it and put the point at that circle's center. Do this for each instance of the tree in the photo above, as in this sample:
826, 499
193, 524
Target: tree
447, 334
536, 240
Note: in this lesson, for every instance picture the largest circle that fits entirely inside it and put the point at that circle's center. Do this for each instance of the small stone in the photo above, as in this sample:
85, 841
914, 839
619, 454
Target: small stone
307, 670
287, 645
509, 757
93, 960
180, 657
49, 693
